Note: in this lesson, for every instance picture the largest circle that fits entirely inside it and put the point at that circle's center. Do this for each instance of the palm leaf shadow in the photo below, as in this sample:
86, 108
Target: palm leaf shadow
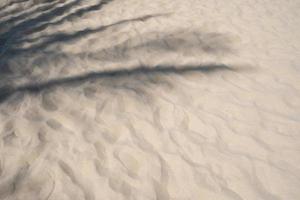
132, 73
40, 20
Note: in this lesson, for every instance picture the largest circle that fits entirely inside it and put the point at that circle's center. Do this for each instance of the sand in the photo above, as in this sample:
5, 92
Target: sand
149, 99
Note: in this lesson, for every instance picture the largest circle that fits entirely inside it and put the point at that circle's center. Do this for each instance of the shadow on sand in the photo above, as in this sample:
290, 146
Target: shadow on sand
6, 92
45, 14
21, 29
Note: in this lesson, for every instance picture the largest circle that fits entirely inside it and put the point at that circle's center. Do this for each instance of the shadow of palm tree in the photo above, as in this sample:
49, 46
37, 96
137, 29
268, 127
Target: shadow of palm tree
50, 13
187, 43
9, 4
22, 28
23, 13
43, 17
52, 39
113, 74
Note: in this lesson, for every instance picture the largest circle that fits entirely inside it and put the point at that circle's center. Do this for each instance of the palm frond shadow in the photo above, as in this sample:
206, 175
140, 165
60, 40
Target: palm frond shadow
187, 43
110, 75
66, 37
47, 15
53, 12
13, 20
39, 19
6, 6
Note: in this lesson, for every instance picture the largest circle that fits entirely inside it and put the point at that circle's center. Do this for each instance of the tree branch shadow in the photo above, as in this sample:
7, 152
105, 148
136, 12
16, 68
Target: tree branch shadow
3, 8
51, 14
132, 73
54, 12
39, 19
53, 39
30, 12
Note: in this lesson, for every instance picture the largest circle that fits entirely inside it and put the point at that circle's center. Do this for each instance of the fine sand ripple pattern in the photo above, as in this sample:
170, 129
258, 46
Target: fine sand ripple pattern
149, 99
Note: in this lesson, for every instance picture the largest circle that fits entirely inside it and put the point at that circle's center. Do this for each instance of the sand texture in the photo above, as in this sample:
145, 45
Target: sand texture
149, 100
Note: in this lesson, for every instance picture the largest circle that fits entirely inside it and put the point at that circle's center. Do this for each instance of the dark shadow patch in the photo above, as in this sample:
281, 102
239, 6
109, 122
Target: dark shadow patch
22, 32
40, 8
69, 17
6, 92
5, 7
66, 37
39, 20
187, 43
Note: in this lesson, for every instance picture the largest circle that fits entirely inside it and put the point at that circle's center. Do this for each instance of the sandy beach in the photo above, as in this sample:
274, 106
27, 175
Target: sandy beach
149, 100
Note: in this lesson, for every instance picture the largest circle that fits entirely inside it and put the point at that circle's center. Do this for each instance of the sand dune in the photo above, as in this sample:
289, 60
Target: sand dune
140, 99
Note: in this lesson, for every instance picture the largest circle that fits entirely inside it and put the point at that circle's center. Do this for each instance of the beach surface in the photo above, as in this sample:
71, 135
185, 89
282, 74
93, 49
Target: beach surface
149, 100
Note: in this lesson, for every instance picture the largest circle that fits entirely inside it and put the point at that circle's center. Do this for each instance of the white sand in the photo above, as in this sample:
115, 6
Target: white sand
213, 133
